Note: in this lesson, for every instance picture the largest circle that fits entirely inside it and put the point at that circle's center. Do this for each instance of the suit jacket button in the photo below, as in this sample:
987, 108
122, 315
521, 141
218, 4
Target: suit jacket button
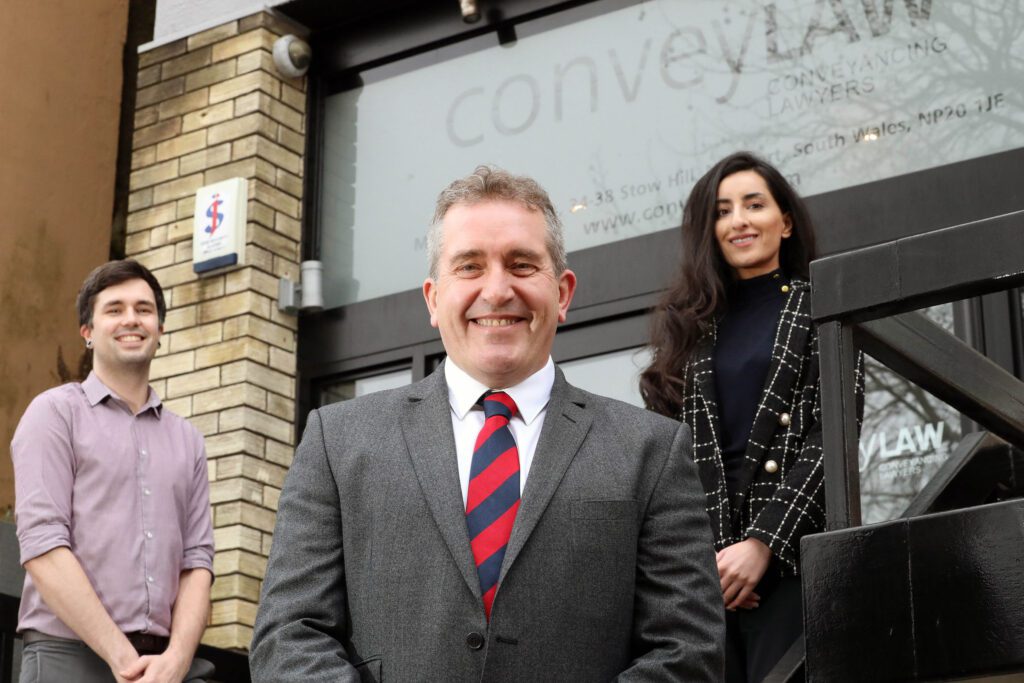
475, 641
784, 419
771, 467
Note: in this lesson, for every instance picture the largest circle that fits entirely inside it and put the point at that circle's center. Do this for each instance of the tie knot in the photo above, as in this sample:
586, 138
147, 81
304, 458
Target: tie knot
498, 403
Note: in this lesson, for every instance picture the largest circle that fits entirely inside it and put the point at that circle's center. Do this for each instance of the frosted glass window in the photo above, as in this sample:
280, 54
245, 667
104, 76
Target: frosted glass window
616, 374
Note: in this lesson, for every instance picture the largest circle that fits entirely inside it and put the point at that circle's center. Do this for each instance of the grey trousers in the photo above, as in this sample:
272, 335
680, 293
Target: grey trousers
63, 661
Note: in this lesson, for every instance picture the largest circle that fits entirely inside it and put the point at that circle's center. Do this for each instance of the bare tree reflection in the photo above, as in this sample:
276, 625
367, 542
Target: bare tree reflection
948, 58
964, 53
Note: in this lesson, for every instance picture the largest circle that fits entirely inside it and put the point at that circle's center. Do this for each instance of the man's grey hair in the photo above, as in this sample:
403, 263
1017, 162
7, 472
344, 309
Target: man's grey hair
488, 183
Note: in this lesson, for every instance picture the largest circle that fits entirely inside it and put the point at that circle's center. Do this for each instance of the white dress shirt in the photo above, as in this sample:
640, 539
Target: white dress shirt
531, 397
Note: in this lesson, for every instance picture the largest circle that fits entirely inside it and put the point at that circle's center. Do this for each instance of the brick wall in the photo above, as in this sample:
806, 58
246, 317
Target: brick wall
209, 107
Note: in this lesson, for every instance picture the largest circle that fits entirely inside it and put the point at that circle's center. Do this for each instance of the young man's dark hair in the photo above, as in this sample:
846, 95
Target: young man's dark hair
114, 273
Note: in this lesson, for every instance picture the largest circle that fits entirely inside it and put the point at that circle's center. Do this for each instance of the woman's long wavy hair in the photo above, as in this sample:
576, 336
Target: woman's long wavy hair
698, 295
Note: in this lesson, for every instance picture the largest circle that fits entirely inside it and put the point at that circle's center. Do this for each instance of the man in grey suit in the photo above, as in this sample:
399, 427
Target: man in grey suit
491, 522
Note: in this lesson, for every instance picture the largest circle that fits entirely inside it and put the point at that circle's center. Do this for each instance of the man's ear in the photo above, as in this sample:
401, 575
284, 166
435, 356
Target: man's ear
430, 296
86, 332
566, 289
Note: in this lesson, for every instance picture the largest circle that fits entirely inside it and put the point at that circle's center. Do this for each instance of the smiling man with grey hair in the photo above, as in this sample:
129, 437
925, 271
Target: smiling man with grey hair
491, 522
489, 184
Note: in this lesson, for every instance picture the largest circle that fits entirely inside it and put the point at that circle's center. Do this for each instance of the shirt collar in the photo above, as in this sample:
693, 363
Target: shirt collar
531, 395
96, 391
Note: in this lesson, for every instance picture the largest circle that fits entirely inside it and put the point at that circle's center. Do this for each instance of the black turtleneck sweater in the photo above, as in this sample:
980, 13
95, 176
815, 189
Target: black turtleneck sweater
743, 352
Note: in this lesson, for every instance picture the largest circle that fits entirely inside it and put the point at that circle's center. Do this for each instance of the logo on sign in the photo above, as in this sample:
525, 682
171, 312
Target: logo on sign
214, 213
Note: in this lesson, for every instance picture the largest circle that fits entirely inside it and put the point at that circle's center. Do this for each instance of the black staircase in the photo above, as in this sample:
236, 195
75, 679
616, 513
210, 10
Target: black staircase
937, 594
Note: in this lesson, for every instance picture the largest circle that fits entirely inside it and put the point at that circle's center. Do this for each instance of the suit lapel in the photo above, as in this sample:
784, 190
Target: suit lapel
566, 424
778, 383
427, 428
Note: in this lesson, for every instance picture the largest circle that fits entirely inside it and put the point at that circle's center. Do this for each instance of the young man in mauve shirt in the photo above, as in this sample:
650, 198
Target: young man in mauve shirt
112, 507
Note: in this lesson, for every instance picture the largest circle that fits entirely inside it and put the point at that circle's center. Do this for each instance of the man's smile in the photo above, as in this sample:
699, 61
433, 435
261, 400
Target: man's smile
496, 322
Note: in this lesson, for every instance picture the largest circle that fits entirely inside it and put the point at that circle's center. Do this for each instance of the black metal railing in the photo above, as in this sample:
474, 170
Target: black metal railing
922, 597
864, 299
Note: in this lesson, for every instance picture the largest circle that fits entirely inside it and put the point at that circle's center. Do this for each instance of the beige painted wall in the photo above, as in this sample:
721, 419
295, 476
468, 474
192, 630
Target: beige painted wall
60, 95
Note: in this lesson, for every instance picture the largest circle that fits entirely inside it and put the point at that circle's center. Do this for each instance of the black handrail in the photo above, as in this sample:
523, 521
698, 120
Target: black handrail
851, 295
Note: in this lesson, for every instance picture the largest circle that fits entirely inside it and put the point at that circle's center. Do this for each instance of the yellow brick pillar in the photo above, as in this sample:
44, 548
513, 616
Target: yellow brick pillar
209, 107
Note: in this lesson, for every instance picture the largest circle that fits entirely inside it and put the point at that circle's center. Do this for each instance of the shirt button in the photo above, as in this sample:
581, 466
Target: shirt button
145, 492
771, 467
475, 641
150, 579
785, 289
784, 419
143, 451
149, 534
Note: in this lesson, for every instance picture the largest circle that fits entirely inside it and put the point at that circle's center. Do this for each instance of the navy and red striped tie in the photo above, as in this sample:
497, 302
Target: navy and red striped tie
493, 497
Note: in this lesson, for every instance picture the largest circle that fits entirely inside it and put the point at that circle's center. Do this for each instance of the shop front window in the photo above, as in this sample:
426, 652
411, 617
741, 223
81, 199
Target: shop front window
616, 374
617, 111
346, 389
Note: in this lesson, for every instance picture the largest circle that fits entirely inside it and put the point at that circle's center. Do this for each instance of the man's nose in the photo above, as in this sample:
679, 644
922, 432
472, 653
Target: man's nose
497, 287
131, 316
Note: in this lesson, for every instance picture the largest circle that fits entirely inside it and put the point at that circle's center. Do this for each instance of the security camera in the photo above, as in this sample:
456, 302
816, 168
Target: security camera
292, 56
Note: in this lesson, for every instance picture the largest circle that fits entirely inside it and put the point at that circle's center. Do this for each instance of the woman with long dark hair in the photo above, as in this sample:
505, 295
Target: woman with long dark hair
735, 357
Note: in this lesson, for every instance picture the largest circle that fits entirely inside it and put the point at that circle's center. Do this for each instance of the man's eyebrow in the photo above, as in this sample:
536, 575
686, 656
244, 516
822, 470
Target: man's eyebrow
119, 302
465, 255
524, 253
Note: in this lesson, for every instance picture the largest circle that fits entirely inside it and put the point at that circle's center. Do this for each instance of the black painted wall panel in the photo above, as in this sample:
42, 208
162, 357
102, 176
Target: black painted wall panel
926, 598
856, 604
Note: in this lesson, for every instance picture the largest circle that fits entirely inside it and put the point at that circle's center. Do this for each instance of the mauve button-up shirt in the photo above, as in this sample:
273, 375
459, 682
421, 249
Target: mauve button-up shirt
128, 494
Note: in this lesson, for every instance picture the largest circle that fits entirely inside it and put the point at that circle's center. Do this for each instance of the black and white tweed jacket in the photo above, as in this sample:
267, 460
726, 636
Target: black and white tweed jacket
780, 496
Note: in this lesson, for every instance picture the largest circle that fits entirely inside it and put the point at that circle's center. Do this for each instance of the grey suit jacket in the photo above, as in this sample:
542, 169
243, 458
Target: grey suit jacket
609, 571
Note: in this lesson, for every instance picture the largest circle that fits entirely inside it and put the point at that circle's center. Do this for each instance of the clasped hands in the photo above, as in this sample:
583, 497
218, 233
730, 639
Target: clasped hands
740, 568
156, 668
